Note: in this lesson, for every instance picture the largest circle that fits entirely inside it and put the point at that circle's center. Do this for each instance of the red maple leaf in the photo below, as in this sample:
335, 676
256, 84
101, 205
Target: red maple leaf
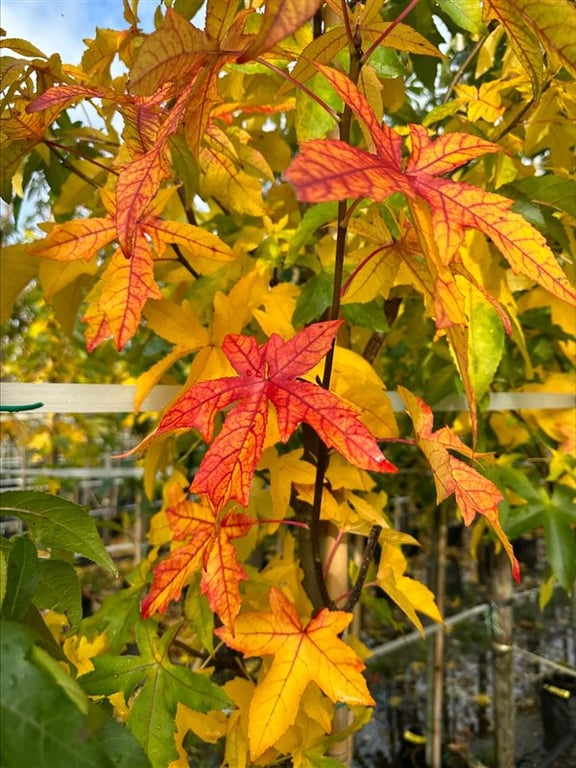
208, 546
327, 169
269, 373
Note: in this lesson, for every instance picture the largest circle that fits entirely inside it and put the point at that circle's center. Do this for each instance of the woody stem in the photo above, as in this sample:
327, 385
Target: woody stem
333, 313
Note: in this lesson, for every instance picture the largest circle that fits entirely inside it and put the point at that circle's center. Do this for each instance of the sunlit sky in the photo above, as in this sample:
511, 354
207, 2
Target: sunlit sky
59, 26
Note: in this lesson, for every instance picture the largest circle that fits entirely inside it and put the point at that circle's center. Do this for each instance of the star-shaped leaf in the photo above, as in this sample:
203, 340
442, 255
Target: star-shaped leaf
332, 170
115, 305
159, 686
207, 547
267, 374
302, 655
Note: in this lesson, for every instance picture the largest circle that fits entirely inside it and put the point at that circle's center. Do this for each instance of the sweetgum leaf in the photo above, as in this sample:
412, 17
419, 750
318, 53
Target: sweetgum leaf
267, 374
39, 724
302, 654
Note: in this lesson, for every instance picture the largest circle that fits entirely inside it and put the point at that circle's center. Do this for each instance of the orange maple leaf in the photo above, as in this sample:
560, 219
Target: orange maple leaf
208, 546
474, 493
302, 654
332, 170
269, 373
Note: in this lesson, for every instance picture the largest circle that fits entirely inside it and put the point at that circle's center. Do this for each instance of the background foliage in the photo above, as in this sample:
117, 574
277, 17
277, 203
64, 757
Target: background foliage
254, 175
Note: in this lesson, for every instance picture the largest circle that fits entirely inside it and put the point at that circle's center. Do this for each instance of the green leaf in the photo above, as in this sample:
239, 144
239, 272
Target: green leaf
314, 298
563, 498
153, 722
71, 688
311, 120
117, 616
521, 519
387, 63
39, 724
121, 746
197, 610
43, 637
561, 547
162, 686
314, 218
59, 590
467, 14
486, 345
57, 523
115, 673
22, 579
516, 481
370, 315
554, 191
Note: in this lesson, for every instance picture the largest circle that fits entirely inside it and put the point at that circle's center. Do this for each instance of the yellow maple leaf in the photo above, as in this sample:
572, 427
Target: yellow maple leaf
302, 654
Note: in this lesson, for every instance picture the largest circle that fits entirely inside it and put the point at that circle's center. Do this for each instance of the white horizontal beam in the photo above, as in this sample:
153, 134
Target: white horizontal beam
83, 398
119, 398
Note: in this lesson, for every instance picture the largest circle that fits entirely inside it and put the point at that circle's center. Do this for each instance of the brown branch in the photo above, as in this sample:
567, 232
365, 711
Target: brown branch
367, 557
182, 259
67, 164
333, 313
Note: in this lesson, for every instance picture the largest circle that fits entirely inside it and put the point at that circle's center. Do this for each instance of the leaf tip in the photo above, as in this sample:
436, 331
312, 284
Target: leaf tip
516, 570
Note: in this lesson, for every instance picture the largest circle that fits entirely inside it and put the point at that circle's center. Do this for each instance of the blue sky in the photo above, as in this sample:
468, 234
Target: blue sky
61, 25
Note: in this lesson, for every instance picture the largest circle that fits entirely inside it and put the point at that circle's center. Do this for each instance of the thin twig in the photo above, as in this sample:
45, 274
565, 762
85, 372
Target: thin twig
346, 17
301, 86
67, 164
389, 29
182, 259
333, 312
367, 557
463, 67
54, 144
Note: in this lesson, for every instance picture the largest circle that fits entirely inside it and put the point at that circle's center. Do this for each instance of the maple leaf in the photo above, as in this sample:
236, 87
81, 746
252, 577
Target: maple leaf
207, 545
160, 685
474, 493
116, 303
269, 373
332, 170
302, 655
